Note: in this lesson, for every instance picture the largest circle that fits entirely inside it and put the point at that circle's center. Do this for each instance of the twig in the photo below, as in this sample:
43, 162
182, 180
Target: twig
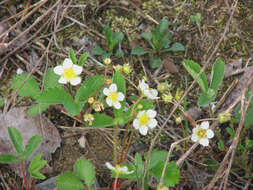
38, 5
172, 146
235, 142
188, 90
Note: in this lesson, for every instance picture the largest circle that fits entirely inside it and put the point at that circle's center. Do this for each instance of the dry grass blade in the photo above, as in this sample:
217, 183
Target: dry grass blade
190, 87
231, 151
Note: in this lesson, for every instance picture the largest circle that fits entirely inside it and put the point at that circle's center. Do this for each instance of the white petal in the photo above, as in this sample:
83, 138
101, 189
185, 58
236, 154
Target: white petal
143, 85
77, 69
152, 123
140, 113
204, 125
209, 133
136, 124
204, 142
19, 71
108, 101
129, 172
154, 93
106, 91
109, 166
58, 70
117, 105
75, 81
67, 63
151, 113
120, 96
123, 169
63, 80
194, 138
143, 130
195, 130
113, 87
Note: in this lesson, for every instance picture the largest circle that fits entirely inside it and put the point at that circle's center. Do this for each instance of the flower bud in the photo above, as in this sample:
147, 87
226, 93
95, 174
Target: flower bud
88, 118
178, 120
139, 106
162, 87
179, 94
162, 187
109, 81
167, 98
224, 117
90, 100
107, 61
127, 69
98, 106
118, 68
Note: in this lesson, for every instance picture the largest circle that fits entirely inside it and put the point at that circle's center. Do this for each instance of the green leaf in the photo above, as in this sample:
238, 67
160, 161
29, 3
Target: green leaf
72, 107
36, 165
97, 50
194, 68
139, 165
31, 145
89, 87
59, 96
119, 80
217, 74
85, 170
212, 166
221, 145
101, 120
16, 139
54, 96
166, 41
37, 109
248, 118
8, 159
172, 173
157, 157
148, 37
155, 62
1, 102
176, 47
108, 35
67, 181
137, 50
51, 80
119, 53
163, 26
72, 56
231, 131
204, 99
83, 58
30, 88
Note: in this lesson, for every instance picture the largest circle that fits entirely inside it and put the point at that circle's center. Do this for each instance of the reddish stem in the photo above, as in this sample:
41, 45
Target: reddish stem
24, 175
116, 184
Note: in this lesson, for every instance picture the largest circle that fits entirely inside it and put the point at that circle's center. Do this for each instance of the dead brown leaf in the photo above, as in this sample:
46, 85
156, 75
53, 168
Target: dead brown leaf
28, 126
169, 66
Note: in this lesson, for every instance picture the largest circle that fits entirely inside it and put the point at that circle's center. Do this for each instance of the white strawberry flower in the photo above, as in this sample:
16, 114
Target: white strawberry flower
145, 120
202, 133
113, 96
69, 72
119, 169
149, 92
19, 71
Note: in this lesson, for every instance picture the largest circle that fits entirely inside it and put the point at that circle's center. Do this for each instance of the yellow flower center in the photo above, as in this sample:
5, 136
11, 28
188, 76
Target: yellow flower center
69, 74
113, 96
117, 171
201, 133
144, 119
